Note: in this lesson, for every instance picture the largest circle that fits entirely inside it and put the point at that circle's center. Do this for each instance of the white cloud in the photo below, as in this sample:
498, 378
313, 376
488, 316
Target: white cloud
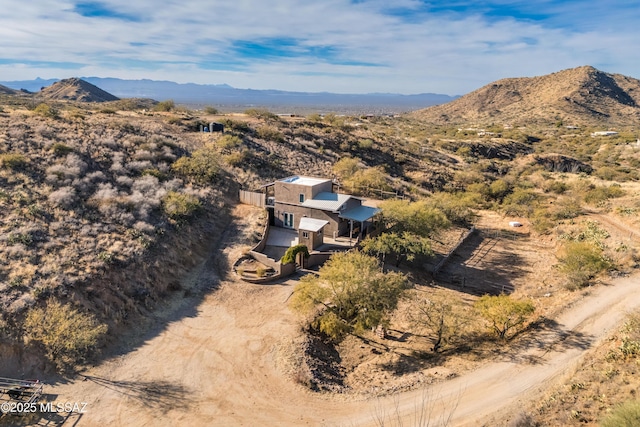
445, 52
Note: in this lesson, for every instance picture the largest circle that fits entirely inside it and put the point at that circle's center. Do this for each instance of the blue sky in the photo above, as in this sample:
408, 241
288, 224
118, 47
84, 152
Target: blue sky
345, 46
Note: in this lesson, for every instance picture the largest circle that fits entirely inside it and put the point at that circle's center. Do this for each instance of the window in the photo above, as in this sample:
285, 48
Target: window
305, 234
301, 198
288, 220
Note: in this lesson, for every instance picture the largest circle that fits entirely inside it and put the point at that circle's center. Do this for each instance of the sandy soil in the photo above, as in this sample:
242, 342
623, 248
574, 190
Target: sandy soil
223, 360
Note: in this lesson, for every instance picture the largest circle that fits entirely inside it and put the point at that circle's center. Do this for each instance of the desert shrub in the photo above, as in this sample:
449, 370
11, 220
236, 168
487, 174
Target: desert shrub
63, 197
566, 208
154, 172
625, 415
365, 144
107, 111
180, 206
165, 106
458, 207
499, 189
236, 125
13, 161
599, 194
269, 133
237, 158
581, 262
45, 110
60, 149
520, 202
346, 167
229, 141
201, 167
210, 110
541, 221
67, 335
557, 187
261, 113
20, 238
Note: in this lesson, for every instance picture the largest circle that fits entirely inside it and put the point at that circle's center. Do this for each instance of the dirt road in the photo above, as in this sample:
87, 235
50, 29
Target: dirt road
221, 364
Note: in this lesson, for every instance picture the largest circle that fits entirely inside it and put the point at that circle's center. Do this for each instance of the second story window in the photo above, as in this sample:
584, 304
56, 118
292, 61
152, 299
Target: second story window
301, 198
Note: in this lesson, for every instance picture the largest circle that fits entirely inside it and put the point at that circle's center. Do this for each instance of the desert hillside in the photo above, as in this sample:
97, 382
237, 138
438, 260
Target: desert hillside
575, 96
75, 89
119, 222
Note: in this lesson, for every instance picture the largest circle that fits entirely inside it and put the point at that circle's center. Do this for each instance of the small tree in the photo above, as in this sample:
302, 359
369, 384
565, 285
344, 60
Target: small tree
417, 218
440, 316
504, 313
405, 246
350, 292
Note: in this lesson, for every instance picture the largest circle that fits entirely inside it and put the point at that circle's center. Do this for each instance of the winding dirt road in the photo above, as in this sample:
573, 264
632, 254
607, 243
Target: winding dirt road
221, 363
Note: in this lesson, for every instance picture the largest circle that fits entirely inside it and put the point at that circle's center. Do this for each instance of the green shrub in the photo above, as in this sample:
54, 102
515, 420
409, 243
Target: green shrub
235, 159
46, 110
625, 415
211, 110
201, 167
67, 335
365, 144
291, 253
289, 256
236, 125
504, 313
269, 133
180, 206
60, 149
599, 194
155, 172
261, 113
13, 161
581, 262
165, 106
229, 141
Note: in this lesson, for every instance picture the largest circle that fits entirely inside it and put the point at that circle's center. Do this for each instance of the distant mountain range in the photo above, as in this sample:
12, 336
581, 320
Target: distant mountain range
581, 95
226, 97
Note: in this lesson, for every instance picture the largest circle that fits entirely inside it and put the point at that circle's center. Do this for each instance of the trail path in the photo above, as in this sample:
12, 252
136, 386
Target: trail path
221, 365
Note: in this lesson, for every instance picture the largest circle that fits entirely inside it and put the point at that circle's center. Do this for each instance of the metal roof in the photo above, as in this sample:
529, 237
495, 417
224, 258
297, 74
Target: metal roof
312, 224
359, 213
327, 201
304, 180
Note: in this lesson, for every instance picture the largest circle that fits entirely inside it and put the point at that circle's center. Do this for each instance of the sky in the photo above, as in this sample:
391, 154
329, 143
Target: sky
343, 46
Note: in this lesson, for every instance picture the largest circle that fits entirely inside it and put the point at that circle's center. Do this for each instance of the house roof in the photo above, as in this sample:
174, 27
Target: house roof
312, 224
359, 213
327, 201
304, 180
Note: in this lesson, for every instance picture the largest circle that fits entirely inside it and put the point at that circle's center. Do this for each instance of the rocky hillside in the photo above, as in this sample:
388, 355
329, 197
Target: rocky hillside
575, 96
75, 89
7, 91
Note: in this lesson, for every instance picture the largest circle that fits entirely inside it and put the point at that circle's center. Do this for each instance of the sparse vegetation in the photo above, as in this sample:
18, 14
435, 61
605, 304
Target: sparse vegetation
353, 291
505, 315
67, 335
